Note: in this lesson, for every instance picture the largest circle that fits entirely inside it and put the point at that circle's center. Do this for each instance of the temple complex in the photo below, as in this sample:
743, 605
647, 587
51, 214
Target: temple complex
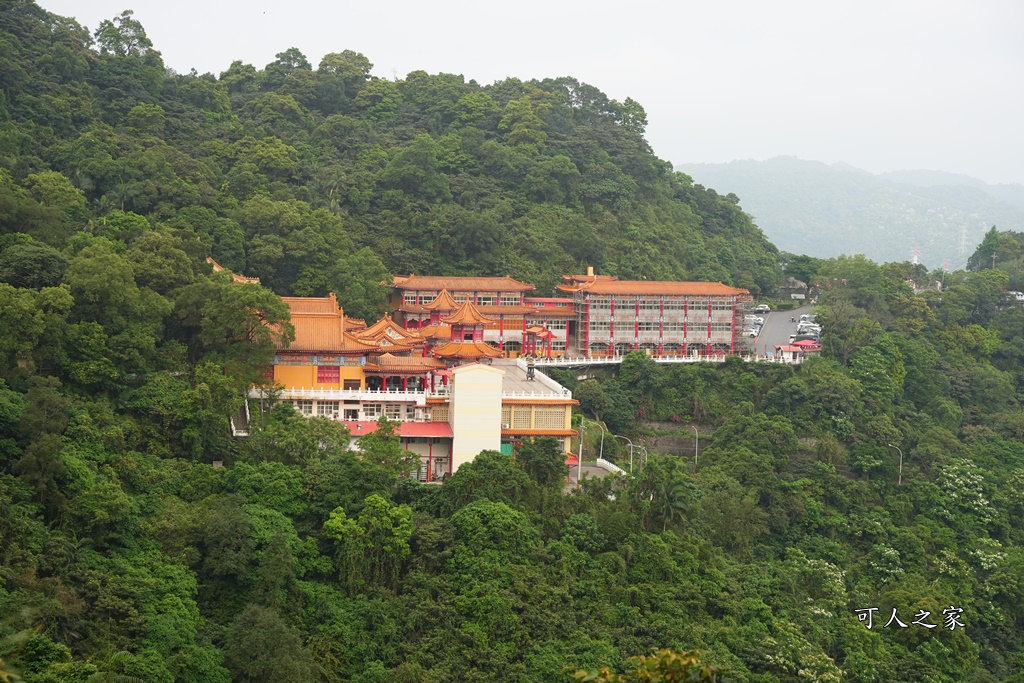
449, 366
449, 404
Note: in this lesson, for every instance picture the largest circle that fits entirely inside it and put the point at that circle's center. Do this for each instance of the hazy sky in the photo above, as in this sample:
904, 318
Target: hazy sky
881, 84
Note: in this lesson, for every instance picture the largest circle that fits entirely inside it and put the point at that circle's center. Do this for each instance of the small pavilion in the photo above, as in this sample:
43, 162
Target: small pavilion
467, 337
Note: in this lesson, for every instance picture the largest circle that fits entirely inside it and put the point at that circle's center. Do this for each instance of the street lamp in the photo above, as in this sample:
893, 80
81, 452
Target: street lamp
601, 455
900, 482
696, 445
630, 450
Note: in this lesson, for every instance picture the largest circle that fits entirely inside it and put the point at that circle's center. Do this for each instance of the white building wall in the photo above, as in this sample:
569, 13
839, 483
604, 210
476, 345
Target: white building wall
475, 411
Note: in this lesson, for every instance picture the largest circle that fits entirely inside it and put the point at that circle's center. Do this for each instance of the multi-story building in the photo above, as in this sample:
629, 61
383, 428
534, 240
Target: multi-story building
415, 297
554, 314
615, 316
445, 415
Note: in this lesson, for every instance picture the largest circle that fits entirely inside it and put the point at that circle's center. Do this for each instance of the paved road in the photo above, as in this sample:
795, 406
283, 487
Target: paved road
777, 329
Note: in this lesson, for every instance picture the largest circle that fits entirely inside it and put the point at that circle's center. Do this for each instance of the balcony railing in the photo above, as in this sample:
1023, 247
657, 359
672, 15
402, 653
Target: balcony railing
419, 397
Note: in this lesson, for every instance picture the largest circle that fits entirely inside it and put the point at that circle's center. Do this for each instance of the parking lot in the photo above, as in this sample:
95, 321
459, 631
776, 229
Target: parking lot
776, 329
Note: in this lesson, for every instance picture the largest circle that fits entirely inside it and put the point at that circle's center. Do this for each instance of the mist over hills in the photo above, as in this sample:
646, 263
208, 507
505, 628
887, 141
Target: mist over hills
824, 210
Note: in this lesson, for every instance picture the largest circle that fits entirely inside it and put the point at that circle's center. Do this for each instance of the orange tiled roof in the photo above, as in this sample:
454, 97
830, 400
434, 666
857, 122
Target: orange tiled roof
468, 314
588, 278
354, 324
486, 310
414, 364
539, 432
466, 349
320, 326
436, 332
539, 400
442, 302
653, 288
461, 284
388, 329
234, 276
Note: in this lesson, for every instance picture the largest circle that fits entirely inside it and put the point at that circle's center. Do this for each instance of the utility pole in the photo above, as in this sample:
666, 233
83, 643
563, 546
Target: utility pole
579, 463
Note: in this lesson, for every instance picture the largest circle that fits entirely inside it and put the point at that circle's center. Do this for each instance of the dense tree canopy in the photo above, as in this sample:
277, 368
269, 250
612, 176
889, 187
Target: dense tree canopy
125, 554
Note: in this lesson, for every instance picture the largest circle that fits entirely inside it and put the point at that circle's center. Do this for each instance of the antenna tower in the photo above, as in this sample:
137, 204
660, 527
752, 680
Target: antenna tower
916, 258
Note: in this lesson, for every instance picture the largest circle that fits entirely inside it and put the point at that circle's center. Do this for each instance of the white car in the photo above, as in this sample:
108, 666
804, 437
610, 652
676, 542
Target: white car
762, 308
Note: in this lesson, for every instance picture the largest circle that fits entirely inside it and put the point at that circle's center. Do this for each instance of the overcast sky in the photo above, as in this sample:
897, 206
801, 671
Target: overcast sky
881, 84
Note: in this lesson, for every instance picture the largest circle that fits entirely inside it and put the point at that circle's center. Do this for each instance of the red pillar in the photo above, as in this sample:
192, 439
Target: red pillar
611, 326
636, 326
661, 326
384, 382
405, 383
732, 343
709, 325
430, 458
585, 328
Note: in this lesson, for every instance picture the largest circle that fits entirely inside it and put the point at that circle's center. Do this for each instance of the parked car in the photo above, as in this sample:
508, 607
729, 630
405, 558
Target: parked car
762, 308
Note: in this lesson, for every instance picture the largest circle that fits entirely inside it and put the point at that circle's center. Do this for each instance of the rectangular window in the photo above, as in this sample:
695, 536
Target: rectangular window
549, 418
506, 416
439, 413
371, 411
409, 299
510, 300
460, 297
599, 326
485, 300
304, 406
393, 411
648, 326
328, 408
521, 417
351, 385
328, 374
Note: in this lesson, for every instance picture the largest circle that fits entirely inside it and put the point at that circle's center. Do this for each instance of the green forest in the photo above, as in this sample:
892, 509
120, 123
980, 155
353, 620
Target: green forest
125, 555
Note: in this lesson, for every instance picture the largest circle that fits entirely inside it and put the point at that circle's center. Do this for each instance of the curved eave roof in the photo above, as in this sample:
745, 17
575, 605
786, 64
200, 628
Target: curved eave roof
461, 284
471, 349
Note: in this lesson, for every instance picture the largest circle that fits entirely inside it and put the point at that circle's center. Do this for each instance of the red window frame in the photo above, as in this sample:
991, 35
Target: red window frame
328, 374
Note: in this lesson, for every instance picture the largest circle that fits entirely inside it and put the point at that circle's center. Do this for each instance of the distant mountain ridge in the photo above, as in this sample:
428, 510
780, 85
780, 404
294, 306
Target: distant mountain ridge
809, 207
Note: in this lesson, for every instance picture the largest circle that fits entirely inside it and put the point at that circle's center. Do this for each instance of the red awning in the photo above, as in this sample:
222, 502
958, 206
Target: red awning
438, 430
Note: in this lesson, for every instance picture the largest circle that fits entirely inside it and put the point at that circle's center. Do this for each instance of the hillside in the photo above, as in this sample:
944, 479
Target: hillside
807, 207
140, 540
289, 172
